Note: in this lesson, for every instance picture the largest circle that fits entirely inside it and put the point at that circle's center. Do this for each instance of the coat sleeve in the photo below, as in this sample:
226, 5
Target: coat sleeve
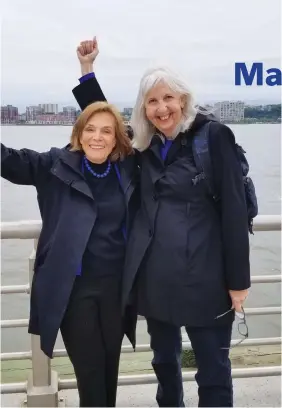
25, 167
233, 208
88, 92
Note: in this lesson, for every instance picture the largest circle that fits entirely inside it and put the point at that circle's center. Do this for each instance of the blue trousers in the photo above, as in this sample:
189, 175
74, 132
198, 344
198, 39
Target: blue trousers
214, 369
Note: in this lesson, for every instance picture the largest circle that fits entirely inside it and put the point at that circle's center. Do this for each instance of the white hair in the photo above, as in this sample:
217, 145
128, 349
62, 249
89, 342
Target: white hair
143, 129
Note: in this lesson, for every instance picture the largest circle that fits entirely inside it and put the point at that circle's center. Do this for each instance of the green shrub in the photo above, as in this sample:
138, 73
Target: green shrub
188, 359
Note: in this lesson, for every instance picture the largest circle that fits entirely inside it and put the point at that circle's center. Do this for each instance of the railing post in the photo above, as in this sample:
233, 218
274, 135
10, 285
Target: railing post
42, 385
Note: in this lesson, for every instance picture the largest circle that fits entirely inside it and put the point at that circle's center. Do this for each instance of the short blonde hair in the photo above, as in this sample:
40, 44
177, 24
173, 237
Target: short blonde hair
123, 145
142, 128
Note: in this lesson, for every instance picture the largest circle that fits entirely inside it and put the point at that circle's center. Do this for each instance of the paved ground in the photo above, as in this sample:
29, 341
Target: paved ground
248, 392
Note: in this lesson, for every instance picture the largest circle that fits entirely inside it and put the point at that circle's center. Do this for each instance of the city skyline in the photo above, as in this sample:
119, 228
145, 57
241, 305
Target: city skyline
225, 111
124, 106
45, 113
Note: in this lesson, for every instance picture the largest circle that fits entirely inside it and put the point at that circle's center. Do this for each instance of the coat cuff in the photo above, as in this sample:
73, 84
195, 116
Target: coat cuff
86, 77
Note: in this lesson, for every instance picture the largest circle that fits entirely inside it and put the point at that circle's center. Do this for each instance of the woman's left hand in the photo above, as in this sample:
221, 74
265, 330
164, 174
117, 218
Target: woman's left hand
238, 297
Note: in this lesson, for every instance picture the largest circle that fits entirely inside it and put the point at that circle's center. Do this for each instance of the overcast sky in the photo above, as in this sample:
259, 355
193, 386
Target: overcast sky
201, 39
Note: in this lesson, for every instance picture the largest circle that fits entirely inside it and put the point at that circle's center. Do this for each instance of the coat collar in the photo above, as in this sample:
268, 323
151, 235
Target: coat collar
155, 147
157, 166
123, 175
68, 168
126, 171
157, 142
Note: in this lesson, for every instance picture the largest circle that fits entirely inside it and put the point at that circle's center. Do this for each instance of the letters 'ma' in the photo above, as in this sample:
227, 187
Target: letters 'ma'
241, 71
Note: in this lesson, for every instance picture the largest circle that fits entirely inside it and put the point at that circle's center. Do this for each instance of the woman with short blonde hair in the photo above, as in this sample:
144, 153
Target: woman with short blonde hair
87, 195
123, 146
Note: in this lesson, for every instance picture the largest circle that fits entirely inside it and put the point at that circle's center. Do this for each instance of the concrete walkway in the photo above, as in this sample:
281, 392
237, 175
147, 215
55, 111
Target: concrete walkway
248, 392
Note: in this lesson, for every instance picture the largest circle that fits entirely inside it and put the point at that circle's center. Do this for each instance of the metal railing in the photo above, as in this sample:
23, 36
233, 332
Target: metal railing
43, 384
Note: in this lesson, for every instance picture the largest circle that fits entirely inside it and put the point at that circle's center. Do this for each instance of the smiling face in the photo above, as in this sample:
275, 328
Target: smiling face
98, 137
164, 108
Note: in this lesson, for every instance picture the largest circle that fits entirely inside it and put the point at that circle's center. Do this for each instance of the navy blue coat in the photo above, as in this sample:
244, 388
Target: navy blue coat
185, 251
68, 215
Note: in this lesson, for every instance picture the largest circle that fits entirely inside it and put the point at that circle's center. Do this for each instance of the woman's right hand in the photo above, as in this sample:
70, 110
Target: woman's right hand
87, 52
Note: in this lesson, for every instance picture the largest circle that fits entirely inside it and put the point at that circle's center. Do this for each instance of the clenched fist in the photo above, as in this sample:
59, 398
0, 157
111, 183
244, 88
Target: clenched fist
87, 52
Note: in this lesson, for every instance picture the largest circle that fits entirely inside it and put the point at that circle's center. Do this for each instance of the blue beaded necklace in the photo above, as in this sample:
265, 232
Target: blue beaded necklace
98, 175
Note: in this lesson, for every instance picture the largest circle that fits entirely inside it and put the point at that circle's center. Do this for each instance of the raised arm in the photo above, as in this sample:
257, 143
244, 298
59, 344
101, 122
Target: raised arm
25, 167
89, 90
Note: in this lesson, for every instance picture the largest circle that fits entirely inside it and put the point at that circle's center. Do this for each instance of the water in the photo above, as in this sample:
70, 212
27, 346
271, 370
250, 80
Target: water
262, 143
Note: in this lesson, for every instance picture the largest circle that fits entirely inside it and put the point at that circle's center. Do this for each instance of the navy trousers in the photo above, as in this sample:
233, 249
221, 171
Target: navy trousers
92, 333
214, 369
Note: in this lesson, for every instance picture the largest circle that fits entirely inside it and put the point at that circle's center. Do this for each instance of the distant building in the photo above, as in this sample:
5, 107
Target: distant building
69, 113
22, 117
54, 119
9, 114
32, 112
127, 111
229, 111
49, 108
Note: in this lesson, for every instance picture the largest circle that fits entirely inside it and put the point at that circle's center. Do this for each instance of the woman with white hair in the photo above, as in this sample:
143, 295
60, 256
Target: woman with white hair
187, 260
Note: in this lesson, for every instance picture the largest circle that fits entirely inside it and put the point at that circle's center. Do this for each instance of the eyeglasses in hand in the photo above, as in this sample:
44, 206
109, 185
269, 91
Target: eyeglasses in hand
242, 326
